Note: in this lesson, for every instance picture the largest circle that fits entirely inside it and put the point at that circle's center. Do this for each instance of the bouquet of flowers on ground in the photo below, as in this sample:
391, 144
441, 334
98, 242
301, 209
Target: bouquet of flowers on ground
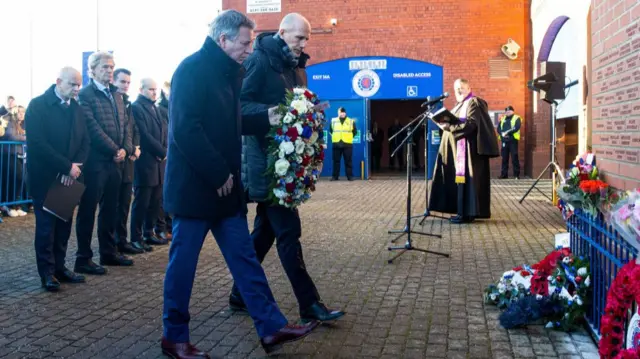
625, 215
296, 150
555, 289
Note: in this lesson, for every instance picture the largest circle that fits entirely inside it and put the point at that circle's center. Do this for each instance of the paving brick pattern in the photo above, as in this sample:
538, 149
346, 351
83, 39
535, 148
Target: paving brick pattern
421, 306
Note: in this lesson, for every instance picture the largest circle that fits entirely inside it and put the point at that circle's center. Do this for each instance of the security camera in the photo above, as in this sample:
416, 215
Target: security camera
510, 49
334, 22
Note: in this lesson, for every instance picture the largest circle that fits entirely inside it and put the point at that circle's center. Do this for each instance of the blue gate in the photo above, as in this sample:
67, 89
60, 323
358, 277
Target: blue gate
352, 82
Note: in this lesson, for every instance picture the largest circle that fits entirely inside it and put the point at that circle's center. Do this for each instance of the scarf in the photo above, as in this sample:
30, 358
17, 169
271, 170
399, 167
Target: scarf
461, 144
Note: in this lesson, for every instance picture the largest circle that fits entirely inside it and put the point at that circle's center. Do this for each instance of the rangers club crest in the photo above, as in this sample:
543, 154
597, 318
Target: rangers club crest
366, 83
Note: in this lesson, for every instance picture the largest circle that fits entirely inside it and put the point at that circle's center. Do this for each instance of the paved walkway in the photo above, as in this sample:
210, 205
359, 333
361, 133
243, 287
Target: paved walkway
421, 306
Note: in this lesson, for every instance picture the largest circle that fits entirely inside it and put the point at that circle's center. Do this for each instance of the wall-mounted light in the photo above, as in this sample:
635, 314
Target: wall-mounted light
334, 22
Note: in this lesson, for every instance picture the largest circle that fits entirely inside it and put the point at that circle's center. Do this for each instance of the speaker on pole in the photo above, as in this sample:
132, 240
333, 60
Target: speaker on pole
556, 89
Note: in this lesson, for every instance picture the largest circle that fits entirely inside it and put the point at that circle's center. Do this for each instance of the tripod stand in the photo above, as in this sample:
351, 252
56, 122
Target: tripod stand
407, 229
553, 164
426, 175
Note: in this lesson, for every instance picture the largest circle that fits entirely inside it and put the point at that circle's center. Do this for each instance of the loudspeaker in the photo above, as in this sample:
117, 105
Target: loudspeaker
556, 89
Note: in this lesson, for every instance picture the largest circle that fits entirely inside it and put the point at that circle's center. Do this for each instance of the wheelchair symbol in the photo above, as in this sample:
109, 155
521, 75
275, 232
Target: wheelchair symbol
412, 91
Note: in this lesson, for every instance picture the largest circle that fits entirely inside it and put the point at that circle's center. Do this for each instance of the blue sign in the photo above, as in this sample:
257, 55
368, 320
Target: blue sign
353, 82
375, 78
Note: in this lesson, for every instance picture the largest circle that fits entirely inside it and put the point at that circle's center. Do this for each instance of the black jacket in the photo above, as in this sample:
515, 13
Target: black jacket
152, 126
269, 73
205, 128
127, 173
57, 137
107, 129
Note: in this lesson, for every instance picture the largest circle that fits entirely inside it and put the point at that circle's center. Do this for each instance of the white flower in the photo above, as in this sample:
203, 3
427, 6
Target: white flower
587, 281
298, 91
281, 202
288, 118
566, 260
299, 128
582, 271
502, 290
549, 278
279, 193
539, 297
281, 167
300, 106
494, 296
310, 151
289, 179
299, 146
549, 325
287, 147
579, 300
281, 154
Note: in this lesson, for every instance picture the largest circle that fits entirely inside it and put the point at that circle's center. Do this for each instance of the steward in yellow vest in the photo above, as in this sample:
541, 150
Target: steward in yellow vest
509, 134
342, 130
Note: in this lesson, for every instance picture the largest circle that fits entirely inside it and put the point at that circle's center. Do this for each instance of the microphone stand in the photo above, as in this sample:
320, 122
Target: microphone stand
407, 228
426, 175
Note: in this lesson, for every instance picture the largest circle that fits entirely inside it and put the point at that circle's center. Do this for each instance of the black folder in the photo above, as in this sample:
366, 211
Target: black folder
61, 200
443, 116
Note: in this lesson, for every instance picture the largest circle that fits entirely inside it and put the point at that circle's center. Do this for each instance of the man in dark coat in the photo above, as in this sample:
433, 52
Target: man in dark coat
111, 143
203, 190
277, 64
462, 179
58, 146
164, 226
150, 168
122, 80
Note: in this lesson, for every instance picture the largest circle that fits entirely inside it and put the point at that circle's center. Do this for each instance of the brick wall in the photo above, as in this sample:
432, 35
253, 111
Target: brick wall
462, 36
616, 90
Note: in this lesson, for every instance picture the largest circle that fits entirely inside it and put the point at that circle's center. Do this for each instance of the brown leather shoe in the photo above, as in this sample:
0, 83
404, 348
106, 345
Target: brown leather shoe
290, 333
182, 350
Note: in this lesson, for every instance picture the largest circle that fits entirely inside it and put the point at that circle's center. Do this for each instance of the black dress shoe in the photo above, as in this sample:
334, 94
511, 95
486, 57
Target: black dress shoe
153, 240
141, 246
116, 260
89, 267
503, 177
334, 179
459, 219
67, 276
288, 334
50, 283
182, 350
127, 248
318, 311
236, 304
350, 179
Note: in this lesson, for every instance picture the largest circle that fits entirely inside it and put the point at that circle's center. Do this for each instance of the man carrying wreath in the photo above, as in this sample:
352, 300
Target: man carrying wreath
276, 65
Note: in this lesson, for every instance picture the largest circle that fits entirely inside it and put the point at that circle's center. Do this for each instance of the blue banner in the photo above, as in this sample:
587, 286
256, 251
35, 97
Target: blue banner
375, 78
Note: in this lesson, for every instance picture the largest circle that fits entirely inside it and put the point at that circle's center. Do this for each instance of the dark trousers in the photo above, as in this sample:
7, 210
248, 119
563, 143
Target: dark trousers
397, 158
52, 236
376, 157
232, 235
283, 224
102, 187
144, 212
124, 205
163, 222
346, 152
510, 148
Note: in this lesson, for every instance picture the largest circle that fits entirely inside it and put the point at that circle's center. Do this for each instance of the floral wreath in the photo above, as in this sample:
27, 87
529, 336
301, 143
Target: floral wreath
624, 290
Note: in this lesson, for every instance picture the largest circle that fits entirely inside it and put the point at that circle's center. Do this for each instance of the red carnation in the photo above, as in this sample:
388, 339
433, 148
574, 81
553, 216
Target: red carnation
516, 269
310, 117
279, 132
290, 187
306, 160
525, 273
292, 132
294, 112
321, 156
308, 94
300, 172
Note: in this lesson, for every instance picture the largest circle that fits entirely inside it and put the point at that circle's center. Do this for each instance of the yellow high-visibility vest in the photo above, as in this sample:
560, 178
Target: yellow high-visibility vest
516, 135
342, 131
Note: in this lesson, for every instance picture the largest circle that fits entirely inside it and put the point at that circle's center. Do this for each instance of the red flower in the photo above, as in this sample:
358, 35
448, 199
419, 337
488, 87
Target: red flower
300, 172
310, 117
279, 132
525, 273
306, 160
292, 132
294, 112
290, 187
578, 279
308, 94
516, 269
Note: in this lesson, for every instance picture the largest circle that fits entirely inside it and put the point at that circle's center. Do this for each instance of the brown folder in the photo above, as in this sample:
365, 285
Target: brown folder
61, 200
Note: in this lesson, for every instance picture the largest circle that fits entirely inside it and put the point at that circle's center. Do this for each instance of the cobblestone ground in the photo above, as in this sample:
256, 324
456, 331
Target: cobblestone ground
421, 306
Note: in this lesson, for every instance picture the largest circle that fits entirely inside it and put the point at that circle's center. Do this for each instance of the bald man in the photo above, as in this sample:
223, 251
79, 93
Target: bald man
58, 145
149, 169
277, 64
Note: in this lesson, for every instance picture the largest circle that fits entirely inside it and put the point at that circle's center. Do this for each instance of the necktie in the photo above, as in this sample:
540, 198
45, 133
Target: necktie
113, 102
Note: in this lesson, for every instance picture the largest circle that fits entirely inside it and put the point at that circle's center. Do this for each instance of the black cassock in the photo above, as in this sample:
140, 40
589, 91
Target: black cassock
473, 198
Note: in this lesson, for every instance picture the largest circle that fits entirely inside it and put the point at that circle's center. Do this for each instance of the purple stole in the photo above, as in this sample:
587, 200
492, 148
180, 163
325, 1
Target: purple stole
461, 144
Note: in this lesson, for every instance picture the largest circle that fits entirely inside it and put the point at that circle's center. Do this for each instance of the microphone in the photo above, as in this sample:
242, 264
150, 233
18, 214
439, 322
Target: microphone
430, 101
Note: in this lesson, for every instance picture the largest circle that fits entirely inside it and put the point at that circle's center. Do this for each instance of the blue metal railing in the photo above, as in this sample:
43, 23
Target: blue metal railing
607, 252
13, 174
